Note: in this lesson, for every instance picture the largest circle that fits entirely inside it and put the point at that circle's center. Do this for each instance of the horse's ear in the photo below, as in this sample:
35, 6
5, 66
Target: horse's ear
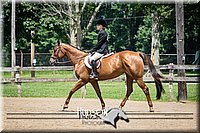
58, 42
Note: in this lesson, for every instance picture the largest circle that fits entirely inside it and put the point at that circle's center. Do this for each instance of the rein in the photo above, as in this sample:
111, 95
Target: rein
69, 61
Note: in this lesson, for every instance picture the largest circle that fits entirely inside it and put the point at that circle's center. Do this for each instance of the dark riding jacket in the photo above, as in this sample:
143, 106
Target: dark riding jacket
102, 44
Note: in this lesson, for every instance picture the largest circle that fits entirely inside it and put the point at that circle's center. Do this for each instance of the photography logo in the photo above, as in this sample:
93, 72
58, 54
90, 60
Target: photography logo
90, 117
99, 117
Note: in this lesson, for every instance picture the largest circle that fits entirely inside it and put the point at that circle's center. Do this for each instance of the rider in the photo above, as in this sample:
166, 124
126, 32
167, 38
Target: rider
100, 49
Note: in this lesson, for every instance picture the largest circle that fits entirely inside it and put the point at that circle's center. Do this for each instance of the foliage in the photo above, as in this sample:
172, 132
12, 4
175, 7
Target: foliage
129, 26
192, 28
167, 29
29, 18
143, 36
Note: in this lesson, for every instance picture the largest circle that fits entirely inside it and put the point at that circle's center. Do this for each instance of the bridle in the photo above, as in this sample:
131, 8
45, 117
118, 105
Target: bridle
56, 58
59, 50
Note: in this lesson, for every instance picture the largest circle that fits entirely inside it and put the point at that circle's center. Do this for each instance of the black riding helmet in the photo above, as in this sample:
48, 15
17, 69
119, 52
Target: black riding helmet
102, 22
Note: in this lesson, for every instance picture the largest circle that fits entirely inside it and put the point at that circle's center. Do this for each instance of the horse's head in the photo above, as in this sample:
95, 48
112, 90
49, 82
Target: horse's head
57, 54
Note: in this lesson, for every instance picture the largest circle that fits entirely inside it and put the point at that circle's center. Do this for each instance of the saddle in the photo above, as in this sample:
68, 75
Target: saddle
87, 60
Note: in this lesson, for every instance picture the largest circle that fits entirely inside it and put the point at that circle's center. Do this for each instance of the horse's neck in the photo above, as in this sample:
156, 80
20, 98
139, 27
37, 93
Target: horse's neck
73, 54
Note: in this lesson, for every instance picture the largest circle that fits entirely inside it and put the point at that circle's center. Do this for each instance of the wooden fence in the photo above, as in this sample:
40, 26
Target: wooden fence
169, 79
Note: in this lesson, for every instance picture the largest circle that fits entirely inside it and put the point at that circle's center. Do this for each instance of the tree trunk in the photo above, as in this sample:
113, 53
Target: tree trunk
93, 16
155, 45
78, 25
72, 23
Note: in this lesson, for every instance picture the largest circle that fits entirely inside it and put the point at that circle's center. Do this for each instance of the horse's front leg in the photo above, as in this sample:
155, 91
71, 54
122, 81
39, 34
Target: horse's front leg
77, 86
98, 92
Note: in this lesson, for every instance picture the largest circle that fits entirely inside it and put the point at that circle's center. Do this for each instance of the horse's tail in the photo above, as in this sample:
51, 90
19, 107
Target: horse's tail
154, 73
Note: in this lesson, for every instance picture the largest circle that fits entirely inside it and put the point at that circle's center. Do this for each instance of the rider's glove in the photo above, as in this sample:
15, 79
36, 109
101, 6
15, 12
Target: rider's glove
91, 51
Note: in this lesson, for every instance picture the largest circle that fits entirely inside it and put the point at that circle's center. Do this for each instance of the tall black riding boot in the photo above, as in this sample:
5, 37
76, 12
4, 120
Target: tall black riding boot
94, 75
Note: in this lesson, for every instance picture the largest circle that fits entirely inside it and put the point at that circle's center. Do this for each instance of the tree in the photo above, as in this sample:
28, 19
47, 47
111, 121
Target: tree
158, 30
191, 30
72, 12
155, 43
129, 26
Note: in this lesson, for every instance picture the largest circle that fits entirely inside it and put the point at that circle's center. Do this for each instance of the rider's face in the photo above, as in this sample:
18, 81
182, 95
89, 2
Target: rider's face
99, 27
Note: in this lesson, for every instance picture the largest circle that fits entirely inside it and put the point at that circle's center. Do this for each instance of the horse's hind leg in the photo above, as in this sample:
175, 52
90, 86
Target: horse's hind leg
129, 84
78, 85
145, 89
98, 92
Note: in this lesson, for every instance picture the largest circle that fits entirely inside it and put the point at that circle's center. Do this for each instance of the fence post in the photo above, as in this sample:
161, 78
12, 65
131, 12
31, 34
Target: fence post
18, 81
22, 60
33, 53
171, 74
182, 86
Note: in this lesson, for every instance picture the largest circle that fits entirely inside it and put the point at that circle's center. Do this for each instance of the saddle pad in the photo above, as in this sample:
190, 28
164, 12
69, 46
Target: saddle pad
87, 60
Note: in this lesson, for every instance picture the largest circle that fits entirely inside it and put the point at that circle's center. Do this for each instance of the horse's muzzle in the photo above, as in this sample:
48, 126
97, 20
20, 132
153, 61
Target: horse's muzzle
53, 62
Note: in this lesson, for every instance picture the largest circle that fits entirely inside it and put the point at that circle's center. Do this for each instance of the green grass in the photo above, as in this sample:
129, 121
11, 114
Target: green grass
113, 90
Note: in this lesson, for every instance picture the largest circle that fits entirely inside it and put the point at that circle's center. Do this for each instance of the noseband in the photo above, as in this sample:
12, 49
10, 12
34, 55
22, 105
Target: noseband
59, 50
53, 57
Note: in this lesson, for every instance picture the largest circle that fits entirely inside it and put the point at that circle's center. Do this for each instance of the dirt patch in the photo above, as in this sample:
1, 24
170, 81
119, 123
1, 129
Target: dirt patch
54, 104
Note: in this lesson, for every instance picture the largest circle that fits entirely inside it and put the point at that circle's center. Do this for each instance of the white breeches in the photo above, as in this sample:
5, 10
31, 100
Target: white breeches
96, 56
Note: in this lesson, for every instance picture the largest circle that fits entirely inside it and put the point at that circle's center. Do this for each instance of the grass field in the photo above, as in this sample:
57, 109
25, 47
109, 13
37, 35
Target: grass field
113, 90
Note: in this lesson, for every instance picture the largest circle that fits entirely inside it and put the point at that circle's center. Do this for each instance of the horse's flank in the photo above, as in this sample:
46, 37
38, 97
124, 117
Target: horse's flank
119, 63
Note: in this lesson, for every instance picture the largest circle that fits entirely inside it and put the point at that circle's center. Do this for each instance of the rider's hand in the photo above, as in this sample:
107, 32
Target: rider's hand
91, 51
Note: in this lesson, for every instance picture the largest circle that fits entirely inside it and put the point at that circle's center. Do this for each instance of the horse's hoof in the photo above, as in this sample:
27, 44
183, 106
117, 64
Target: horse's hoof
120, 107
64, 107
151, 110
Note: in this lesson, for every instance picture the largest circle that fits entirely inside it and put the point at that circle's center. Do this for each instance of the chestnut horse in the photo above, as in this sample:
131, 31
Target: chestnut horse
128, 62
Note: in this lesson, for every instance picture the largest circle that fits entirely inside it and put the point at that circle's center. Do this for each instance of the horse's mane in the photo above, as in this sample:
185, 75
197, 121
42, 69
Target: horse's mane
73, 47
